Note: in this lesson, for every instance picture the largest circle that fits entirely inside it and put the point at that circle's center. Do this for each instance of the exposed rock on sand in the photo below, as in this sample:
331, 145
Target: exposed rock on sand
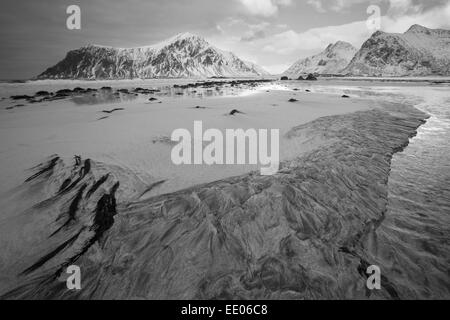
311, 77
299, 234
234, 111
112, 110
42, 93
164, 140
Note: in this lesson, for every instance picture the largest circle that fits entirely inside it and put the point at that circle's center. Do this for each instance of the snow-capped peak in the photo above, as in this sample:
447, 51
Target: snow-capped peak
183, 55
417, 28
419, 51
332, 60
186, 35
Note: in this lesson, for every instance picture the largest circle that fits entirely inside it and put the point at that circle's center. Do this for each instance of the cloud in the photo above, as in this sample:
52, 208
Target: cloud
316, 4
438, 17
253, 35
400, 16
316, 39
395, 7
278, 49
268, 32
265, 8
256, 31
337, 5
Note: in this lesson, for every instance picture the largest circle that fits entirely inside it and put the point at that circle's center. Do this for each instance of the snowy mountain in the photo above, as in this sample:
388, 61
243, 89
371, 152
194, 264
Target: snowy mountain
417, 52
185, 55
331, 61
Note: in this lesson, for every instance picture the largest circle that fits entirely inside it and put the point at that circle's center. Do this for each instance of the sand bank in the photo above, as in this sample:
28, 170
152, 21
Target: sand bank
299, 234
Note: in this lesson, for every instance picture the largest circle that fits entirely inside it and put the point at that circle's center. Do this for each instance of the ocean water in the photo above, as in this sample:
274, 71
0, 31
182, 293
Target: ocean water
413, 241
418, 215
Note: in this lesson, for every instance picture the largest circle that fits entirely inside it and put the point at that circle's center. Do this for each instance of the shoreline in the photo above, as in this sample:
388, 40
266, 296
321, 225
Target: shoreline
137, 136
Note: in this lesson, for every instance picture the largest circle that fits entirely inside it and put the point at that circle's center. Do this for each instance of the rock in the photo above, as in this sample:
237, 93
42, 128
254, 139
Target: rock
152, 99
284, 78
113, 110
78, 90
234, 111
311, 77
42, 93
345, 96
21, 97
63, 93
144, 91
292, 100
300, 78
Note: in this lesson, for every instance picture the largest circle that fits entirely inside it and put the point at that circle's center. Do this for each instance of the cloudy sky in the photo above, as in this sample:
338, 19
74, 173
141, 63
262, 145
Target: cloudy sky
271, 33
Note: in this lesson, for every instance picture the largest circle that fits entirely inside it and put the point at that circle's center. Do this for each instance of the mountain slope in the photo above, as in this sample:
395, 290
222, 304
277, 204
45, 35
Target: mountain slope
185, 55
331, 61
417, 52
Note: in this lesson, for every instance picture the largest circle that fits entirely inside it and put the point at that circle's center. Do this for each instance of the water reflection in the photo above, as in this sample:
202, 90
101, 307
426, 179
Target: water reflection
130, 94
103, 96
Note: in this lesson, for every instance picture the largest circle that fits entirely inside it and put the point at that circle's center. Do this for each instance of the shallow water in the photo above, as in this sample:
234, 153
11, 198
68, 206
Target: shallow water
416, 228
162, 89
418, 214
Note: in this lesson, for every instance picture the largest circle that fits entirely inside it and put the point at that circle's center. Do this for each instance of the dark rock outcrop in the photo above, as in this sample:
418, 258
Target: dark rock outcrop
311, 77
113, 110
234, 111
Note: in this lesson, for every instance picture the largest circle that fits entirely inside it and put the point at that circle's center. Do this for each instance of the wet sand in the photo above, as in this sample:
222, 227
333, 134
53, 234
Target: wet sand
136, 135
308, 232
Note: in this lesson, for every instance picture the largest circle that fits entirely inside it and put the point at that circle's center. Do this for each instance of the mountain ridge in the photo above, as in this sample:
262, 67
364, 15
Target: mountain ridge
332, 60
183, 55
420, 51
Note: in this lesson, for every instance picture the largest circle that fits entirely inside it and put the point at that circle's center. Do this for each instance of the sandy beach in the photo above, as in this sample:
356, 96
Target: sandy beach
138, 137
145, 228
